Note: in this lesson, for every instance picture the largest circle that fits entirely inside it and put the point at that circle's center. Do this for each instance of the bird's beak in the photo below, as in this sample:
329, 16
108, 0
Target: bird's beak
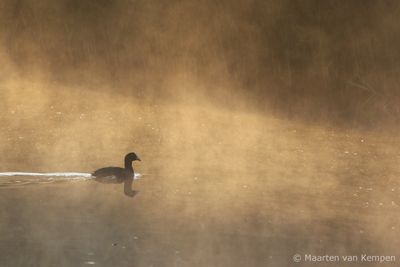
139, 159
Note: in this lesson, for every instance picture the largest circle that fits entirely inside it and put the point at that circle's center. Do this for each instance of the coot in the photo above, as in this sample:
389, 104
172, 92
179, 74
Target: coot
117, 174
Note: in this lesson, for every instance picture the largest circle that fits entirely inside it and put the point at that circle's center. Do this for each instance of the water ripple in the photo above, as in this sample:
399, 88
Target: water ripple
16, 179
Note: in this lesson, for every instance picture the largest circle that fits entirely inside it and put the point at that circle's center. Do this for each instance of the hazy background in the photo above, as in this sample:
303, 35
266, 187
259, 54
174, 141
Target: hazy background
266, 128
322, 60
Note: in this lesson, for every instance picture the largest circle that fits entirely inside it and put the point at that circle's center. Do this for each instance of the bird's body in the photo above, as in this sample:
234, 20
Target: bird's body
113, 174
117, 175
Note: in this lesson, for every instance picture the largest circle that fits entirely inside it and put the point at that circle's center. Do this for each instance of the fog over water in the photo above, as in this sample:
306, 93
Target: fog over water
265, 129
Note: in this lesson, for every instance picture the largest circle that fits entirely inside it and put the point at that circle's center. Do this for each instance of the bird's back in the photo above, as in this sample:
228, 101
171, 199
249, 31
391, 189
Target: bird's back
112, 175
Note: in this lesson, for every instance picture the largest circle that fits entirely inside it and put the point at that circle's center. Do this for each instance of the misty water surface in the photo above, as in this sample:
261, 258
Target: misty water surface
266, 129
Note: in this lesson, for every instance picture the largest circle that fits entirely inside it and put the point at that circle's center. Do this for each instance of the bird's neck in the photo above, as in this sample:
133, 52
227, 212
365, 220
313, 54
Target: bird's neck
128, 165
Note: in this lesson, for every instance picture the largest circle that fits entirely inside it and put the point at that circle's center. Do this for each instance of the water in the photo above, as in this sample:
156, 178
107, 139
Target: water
254, 193
213, 217
12, 179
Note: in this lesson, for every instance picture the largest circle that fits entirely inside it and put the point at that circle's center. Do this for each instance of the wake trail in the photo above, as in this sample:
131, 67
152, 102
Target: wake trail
13, 179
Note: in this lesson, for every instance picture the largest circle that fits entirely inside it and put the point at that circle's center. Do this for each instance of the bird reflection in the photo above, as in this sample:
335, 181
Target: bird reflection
116, 175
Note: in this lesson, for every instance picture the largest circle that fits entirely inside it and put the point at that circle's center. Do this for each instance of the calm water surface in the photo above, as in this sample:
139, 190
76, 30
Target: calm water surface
245, 196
